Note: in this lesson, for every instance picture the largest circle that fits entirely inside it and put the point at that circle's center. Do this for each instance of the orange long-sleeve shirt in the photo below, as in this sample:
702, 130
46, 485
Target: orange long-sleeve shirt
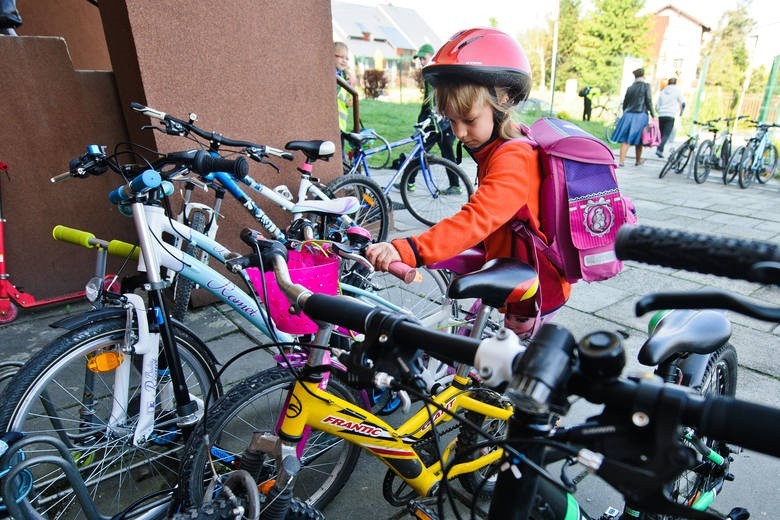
509, 180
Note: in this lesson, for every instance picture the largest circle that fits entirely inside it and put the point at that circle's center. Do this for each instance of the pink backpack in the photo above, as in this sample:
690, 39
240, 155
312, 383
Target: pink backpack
581, 207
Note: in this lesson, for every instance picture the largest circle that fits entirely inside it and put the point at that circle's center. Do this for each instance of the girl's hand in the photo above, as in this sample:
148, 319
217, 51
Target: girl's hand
382, 254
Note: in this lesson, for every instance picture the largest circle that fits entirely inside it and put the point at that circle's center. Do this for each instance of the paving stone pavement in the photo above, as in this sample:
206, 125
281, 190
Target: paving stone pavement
673, 202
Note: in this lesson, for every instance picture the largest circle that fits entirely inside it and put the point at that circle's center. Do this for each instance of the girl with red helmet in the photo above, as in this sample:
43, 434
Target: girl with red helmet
479, 75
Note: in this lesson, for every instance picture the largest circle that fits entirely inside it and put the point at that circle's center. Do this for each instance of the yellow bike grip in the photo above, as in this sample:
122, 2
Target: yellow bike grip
123, 249
74, 236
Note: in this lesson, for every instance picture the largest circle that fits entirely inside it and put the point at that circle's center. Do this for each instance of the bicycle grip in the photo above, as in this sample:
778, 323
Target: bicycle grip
147, 111
123, 250
346, 312
148, 180
708, 254
74, 236
732, 420
404, 272
61, 177
204, 163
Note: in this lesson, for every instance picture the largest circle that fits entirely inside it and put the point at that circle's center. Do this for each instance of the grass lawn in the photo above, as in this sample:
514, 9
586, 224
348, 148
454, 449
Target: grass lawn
396, 121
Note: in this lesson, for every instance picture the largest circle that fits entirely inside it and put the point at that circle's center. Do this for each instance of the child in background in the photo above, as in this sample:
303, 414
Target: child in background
479, 75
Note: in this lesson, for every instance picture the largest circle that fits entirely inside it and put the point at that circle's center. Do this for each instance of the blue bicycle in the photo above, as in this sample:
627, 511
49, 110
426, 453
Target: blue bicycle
445, 187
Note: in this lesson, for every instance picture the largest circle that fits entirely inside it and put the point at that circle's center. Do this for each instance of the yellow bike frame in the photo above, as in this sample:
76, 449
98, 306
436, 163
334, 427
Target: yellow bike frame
310, 406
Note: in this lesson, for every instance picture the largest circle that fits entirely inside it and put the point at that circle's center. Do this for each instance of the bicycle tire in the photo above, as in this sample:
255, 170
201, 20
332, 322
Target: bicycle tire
183, 286
745, 171
768, 164
719, 378
670, 161
684, 155
374, 212
731, 170
254, 405
380, 159
609, 130
725, 153
427, 203
703, 162
481, 482
117, 473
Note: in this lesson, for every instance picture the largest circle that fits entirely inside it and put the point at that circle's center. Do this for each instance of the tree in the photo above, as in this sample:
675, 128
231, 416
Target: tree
728, 54
537, 43
609, 32
568, 36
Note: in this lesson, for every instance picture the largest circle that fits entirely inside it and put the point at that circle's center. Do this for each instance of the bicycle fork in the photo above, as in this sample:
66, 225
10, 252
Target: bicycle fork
147, 346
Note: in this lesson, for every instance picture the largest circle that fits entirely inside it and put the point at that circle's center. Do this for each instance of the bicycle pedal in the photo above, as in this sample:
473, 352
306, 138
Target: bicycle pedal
610, 514
420, 511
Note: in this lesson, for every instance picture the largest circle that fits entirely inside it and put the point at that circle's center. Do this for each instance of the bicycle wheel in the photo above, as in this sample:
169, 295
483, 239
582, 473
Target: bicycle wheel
182, 290
609, 130
768, 164
380, 154
725, 153
670, 162
55, 393
746, 172
684, 155
483, 481
735, 161
374, 212
254, 405
432, 201
718, 379
703, 163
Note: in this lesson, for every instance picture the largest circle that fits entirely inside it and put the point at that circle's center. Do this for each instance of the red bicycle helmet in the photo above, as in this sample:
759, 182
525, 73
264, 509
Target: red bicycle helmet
486, 56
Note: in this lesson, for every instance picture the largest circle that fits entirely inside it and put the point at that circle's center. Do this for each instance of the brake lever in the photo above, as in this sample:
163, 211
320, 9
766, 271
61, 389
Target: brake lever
269, 163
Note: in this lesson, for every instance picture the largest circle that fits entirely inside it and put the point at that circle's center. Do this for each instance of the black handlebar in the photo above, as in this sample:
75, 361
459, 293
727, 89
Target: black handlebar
175, 126
753, 261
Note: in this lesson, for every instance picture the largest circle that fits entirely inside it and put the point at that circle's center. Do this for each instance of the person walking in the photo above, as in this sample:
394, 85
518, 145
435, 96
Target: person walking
444, 136
670, 103
637, 102
479, 76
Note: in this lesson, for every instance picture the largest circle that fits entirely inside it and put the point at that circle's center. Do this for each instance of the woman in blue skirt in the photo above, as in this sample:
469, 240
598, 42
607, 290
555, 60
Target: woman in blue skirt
637, 103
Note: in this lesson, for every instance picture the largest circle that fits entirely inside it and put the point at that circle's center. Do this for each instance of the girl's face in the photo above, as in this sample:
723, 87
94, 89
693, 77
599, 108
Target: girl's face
475, 127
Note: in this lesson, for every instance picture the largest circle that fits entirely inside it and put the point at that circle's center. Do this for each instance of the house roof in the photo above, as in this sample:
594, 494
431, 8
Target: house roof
394, 30
682, 13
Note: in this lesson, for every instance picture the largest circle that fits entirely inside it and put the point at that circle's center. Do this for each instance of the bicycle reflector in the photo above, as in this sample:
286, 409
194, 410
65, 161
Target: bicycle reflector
105, 361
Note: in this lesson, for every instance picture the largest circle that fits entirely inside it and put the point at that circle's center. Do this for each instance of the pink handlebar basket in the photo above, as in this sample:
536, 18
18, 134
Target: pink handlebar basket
314, 271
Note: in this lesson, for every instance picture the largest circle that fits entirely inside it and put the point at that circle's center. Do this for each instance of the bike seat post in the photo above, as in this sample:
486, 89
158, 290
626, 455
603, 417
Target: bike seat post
480, 321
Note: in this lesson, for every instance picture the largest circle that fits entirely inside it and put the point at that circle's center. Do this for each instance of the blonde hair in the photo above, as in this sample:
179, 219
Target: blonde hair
461, 98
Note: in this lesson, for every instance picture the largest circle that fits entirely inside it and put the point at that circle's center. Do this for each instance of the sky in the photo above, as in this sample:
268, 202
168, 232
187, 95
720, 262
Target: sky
446, 17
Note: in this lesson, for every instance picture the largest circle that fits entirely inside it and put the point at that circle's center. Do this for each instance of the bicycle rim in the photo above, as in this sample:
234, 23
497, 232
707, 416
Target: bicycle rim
669, 163
685, 152
380, 154
745, 171
428, 203
374, 212
426, 299
718, 379
481, 482
731, 170
768, 164
55, 394
255, 405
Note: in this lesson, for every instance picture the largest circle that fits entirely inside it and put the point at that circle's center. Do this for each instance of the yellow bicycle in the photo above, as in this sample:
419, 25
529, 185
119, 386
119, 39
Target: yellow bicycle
278, 416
